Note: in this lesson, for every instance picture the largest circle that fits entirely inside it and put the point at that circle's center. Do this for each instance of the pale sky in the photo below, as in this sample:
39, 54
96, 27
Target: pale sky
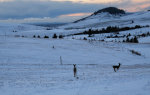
61, 10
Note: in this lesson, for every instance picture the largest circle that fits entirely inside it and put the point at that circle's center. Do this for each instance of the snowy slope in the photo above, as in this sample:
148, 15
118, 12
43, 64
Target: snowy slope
10, 29
32, 67
106, 19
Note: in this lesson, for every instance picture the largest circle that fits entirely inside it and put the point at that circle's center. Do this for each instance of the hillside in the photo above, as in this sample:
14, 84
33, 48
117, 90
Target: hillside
104, 18
110, 10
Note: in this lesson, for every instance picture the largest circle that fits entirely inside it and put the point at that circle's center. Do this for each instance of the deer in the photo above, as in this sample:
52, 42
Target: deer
116, 67
75, 70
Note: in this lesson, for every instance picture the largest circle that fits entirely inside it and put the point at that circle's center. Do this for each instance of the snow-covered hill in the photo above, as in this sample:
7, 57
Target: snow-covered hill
104, 19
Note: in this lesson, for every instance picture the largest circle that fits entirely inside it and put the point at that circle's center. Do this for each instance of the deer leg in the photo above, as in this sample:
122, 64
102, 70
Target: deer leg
114, 69
74, 74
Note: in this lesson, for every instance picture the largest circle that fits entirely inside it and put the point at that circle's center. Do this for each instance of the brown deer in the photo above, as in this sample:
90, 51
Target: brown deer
116, 67
75, 70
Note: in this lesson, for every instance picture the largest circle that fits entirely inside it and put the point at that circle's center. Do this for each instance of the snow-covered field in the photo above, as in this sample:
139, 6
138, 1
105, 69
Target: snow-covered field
32, 67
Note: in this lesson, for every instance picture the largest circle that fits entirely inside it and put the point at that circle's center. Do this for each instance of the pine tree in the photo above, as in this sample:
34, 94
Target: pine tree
135, 40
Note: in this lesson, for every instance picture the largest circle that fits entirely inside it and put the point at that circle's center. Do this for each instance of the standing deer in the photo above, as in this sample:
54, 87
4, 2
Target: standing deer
116, 67
75, 70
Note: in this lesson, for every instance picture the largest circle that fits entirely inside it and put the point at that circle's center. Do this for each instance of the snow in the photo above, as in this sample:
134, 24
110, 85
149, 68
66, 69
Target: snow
145, 40
31, 66
105, 19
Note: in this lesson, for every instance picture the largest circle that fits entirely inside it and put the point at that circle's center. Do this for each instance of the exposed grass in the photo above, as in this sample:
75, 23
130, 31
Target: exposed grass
135, 52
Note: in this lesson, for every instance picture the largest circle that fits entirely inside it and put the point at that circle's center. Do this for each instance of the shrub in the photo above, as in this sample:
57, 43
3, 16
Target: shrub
14, 31
46, 36
129, 34
60, 36
84, 38
148, 33
38, 36
34, 36
133, 40
54, 36
48, 29
135, 52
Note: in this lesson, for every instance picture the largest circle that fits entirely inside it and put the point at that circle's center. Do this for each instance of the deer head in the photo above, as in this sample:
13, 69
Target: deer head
74, 65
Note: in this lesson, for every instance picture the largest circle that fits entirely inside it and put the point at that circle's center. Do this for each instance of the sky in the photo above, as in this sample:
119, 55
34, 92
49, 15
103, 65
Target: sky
26, 11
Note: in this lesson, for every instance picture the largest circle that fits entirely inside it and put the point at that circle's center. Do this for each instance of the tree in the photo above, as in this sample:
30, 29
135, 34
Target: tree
90, 33
135, 40
54, 36
127, 40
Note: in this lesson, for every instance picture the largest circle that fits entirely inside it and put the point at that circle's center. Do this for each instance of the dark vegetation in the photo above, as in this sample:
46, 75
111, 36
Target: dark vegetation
14, 31
109, 29
112, 29
54, 36
38, 36
132, 40
84, 38
46, 36
135, 52
34, 36
61, 36
111, 10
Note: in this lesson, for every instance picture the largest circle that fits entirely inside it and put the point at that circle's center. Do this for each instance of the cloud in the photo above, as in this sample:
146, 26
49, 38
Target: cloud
6, 0
40, 9
76, 14
44, 19
50, 10
89, 1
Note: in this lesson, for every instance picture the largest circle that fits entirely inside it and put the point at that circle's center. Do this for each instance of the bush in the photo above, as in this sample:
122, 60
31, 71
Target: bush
135, 52
143, 35
38, 36
54, 36
84, 38
14, 31
129, 34
46, 36
60, 36
34, 36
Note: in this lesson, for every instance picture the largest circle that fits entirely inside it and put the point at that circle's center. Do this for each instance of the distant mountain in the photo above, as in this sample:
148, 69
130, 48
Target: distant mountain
110, 16
45, 24
110, 10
